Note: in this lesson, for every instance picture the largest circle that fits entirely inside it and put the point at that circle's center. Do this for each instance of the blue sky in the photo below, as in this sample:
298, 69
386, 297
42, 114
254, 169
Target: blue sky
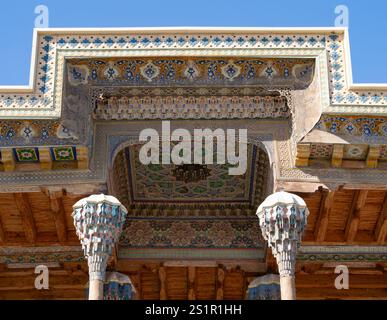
367, 24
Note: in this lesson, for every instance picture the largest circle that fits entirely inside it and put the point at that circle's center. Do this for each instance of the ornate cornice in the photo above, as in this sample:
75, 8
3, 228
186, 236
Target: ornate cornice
52, 48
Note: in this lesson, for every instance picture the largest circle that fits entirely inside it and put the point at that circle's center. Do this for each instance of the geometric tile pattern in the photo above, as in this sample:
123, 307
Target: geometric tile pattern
63, 153
31, 154
155, 183
321, 151
26, 154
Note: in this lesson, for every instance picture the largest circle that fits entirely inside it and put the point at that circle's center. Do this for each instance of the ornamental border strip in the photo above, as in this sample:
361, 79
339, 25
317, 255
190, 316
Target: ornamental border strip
43, 100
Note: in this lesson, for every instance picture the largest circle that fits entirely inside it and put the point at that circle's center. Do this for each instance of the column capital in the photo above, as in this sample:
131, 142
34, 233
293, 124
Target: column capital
98, 221
282, 218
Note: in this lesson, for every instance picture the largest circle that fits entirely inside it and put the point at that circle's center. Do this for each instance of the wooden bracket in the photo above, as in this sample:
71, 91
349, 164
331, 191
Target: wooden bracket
337, 155
372, 157
45, 159
303, 153
7, 159
83, 158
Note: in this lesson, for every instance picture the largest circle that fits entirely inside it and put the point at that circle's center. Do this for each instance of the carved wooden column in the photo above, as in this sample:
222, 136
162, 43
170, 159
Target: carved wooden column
282, 218
98, 221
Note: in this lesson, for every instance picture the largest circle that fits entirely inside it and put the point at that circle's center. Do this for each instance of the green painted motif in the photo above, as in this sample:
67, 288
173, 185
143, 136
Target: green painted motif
26, 154
63, 153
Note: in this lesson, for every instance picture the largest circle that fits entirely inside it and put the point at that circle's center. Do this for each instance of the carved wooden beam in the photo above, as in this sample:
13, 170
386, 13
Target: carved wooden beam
303, 153
56, 205
381, 225
191, 283
337, 155
24, 208
2, 233
321, 227
358, 202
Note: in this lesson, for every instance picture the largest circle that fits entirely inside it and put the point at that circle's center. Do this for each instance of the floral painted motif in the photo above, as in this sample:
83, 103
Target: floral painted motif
370, 126
294, 73
63, 153
26, 154
150, 71
191, 233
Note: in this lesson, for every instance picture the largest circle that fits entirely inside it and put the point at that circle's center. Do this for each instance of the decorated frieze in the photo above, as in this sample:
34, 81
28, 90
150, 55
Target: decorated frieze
127, 108
47, 254
47, 158
34, 132
32, 255
180, 71
191, 233
354, 125
342, 254
345, 137
356, 155
195, 91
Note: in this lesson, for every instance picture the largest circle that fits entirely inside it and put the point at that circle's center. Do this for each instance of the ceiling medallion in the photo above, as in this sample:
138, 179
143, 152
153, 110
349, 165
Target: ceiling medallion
191, 172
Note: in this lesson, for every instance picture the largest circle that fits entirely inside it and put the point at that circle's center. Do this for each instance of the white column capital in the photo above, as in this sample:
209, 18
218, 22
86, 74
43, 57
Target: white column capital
282, 218
98, 221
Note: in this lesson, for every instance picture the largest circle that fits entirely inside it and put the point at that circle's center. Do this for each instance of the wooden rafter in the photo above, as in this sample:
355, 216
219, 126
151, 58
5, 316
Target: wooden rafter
24, 208
163, 278
2, 233
358, 202
56, 205
191, 283
139, 286
220, 283
381, 225
323, 215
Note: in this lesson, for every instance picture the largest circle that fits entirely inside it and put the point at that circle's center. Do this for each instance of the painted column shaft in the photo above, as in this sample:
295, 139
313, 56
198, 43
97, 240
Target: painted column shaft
95, 289
288, 288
